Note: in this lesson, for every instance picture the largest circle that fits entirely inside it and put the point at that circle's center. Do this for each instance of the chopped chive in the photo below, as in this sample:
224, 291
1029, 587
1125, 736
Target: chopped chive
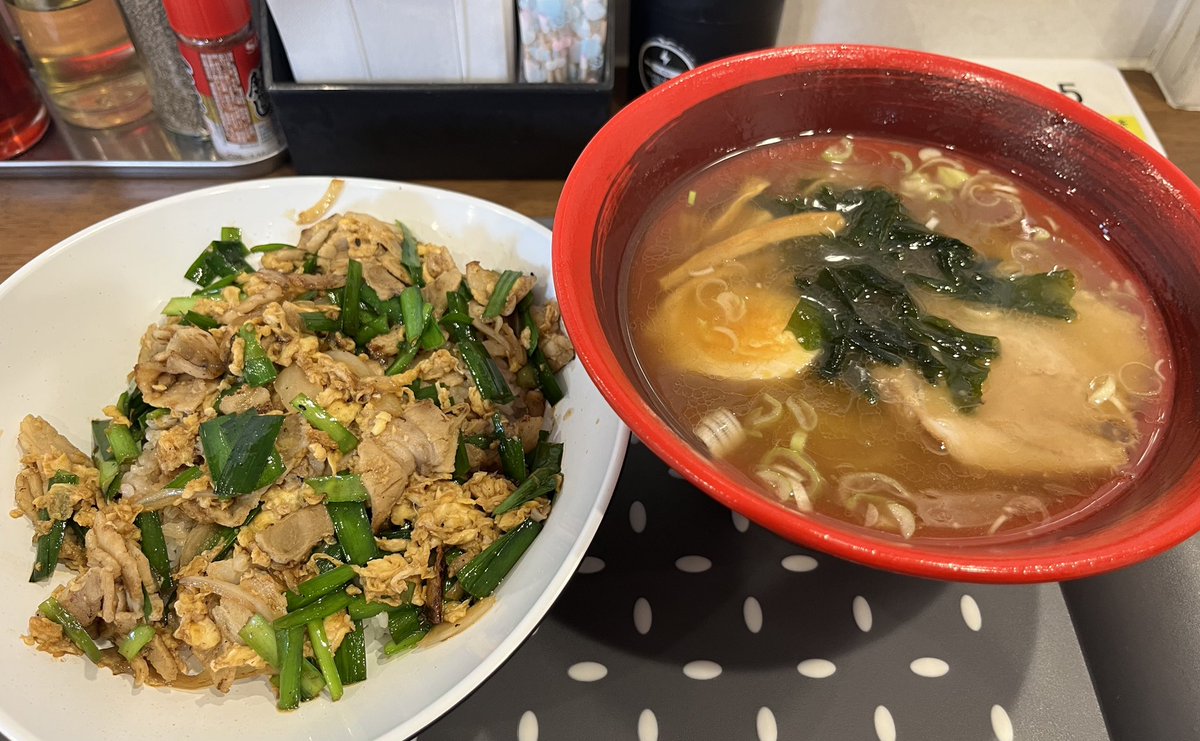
407, 626
308, 592
353, 528
52, 610
428, 392
495, 305
48, 548
547, 381
214, 288
231, 234
462, 462
409, 256
372, 327
240, 452
360, 609
135, 641
272, 247
310, 264
484, 573
291, 655
62, 477
154, 546
540, 483
334, 551
319, 322
351, 311
183, 479
258, 635
344, 488
325, 422
487, 376
512, 455
324, 656
527, 377
318, 610
257, 368
121, 442
351, 656
180, 305
408, 353
403, 532
199, 320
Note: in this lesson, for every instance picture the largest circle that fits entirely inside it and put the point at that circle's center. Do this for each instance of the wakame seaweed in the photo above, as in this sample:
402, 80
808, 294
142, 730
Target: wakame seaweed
856, 304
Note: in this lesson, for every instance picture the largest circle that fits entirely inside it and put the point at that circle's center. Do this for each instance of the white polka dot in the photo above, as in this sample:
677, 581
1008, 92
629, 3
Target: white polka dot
590, 565
816, 668
885, 727
587, 671
752, 614
637, 517
674, 474
527, 729
765, 724
970, 612
643, 617
647, 726
740, 523
799, 564
702, 670
862, 614
927, 666
1001, 724
693, 564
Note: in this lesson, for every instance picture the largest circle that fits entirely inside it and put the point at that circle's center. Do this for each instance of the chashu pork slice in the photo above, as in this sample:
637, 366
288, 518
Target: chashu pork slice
1036, 415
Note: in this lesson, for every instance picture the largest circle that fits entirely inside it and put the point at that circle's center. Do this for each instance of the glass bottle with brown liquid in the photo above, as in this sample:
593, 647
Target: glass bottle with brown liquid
81, 51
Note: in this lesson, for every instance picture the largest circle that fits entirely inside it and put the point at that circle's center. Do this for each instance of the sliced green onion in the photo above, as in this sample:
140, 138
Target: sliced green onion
310, 264
311, 590
135, 641
180, 305
48, 548
360, 609
215, 288
546, 378
353, 528
546, 454
527, 377
351, 656
258, 635
512, 455
403, 532
372, 327
427, 392
120, 441
324, 656
257, 368
495, 305
319, 610
183, 479
325, 422
540, 483
412, 313
291, 656
333, 550
484, 573
52, 610
351, 311
231, 234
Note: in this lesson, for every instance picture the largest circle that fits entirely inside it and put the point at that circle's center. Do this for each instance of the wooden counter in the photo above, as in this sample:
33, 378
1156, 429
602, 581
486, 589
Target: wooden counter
36, 214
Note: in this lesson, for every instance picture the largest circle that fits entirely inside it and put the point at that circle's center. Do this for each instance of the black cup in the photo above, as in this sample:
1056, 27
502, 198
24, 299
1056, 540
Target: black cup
670, 37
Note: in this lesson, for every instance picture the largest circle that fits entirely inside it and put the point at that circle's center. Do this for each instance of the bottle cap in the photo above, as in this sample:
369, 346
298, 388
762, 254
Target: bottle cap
207, 19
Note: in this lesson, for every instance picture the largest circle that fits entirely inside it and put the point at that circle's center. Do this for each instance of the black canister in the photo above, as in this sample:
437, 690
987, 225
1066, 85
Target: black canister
670, 37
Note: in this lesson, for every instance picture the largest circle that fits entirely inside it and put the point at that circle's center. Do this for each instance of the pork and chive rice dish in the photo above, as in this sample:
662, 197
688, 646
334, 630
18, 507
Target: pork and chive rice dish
355, 434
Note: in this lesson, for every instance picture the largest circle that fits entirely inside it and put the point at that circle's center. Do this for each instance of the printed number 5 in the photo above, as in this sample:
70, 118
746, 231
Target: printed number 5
1068, 89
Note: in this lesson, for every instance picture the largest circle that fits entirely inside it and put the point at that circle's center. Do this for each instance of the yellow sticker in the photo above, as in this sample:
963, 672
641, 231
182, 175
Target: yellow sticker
1130, 123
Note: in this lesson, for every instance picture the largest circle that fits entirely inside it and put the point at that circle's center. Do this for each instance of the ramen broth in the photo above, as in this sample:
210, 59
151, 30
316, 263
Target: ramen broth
1075, 384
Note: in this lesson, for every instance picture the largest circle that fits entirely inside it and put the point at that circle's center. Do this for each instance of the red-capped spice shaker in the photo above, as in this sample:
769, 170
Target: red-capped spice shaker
220, 46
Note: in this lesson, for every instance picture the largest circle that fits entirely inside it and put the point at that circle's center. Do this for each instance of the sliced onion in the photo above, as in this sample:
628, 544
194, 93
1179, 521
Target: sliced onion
872, 483
806, 416
768, 412
903, 517
1147, 382
232, 591
318, 209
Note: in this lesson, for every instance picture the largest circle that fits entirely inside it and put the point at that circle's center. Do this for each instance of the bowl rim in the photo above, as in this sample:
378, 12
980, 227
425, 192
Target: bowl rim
580, 204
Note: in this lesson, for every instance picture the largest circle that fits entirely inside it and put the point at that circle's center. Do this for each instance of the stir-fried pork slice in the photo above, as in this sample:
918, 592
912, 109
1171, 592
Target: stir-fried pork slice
482, 283
423, 440
554, 344
1036, 415
441, 275
178, 373
37, 437
294, 537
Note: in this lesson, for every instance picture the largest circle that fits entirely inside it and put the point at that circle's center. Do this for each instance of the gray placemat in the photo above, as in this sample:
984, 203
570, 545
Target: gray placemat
691, 623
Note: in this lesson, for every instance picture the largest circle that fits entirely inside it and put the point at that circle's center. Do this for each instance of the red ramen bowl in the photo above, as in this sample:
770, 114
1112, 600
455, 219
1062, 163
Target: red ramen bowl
1103, 176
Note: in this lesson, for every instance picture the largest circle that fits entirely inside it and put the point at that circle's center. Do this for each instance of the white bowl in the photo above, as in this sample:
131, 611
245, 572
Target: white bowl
70, 321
